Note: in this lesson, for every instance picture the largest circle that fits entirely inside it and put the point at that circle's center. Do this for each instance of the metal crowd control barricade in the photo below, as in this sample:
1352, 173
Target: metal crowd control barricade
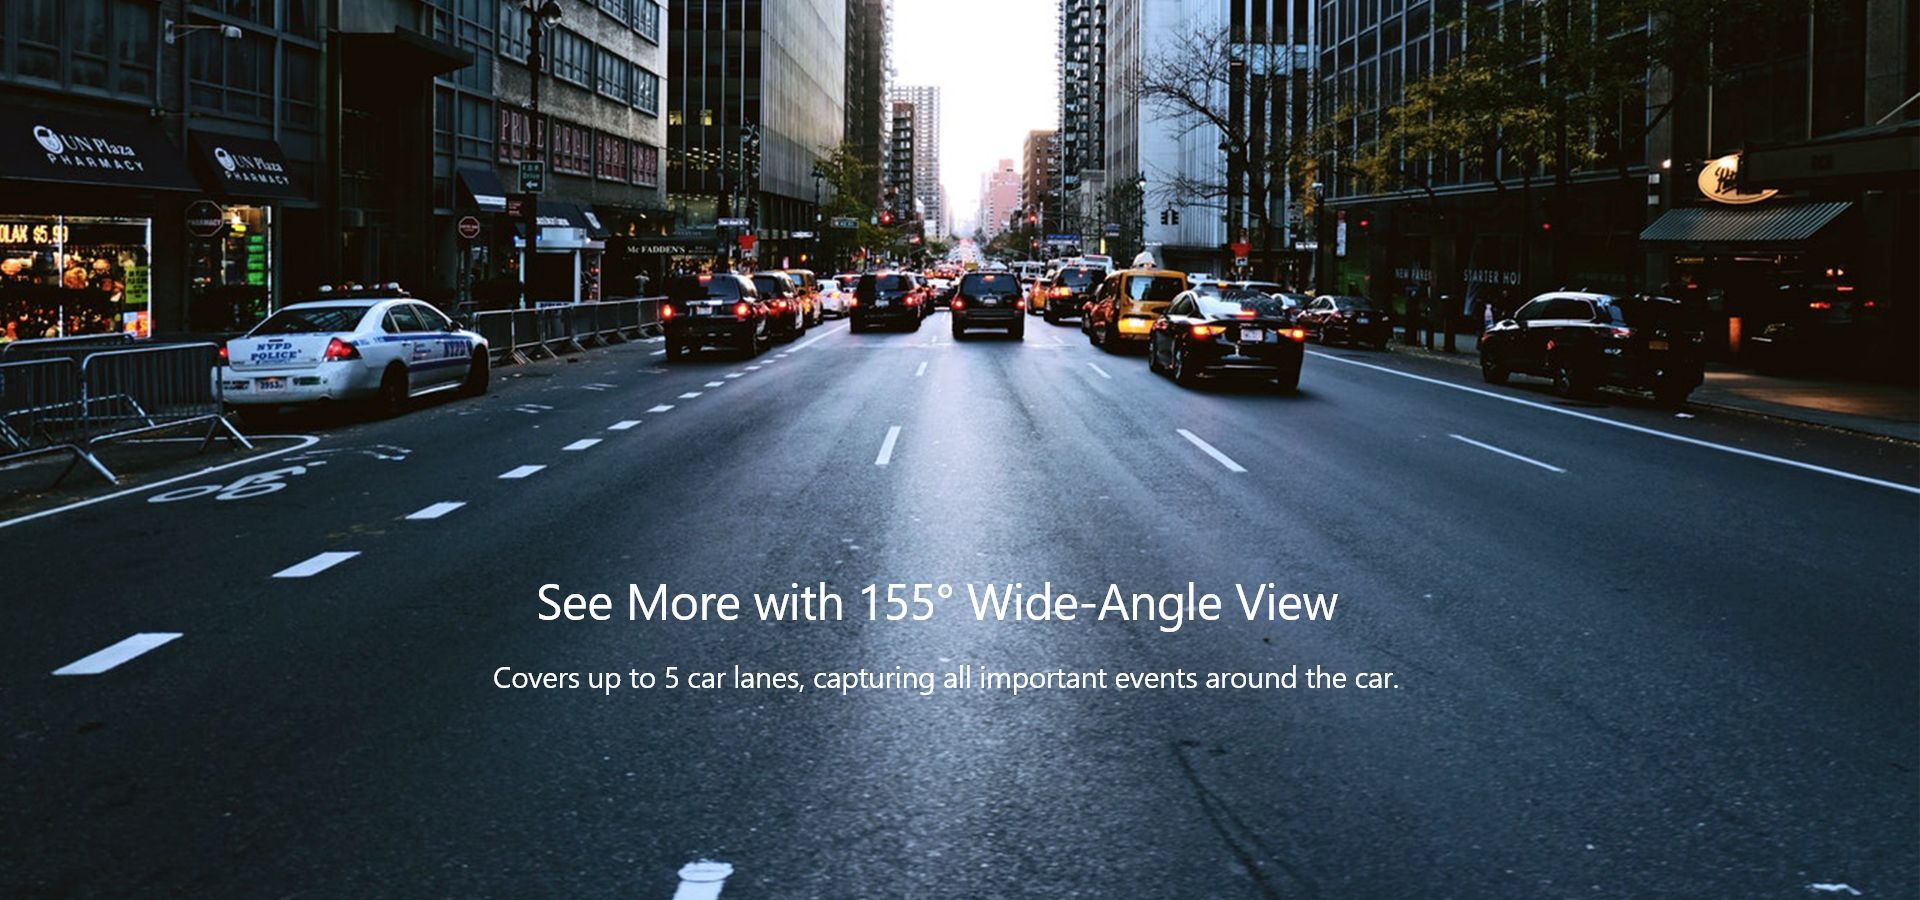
581, 324
74, 348
43, 412
131, 392
556, 328
497, 328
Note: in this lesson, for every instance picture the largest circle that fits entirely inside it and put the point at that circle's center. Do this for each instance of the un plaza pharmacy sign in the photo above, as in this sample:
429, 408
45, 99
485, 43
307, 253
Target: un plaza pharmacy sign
250, 168
82, 151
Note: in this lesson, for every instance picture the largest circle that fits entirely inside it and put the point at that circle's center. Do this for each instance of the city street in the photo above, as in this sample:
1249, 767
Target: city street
1636, 652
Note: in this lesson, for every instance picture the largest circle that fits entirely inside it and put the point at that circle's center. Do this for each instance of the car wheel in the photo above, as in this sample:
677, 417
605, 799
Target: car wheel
479, 375
1183, 373
1570, 382
392, 399
1110, 339
1018, 332
1153, 361
958, 330
1380, 345
1491, 373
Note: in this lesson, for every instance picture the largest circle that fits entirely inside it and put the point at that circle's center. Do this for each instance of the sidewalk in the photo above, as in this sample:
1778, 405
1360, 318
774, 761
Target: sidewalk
1883, 410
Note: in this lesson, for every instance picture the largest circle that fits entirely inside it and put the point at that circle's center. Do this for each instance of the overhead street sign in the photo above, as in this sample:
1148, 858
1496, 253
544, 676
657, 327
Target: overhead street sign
533, 178
847, 222
735, 222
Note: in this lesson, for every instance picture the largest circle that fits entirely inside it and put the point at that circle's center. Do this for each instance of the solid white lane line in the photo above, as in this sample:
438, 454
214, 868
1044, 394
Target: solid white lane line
306, 440
316, 565
1508, 453
1638, 429
581, 444
920, 371
103, 660
627, 425
689, 395
1209, 449
521, 472
886, 447
1103, 372
661, 408
435, 511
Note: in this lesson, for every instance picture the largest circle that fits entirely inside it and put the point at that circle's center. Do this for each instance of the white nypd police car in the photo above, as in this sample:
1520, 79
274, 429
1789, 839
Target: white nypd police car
378, 345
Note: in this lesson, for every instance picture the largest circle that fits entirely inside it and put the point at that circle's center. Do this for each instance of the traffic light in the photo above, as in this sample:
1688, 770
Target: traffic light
1176, 217
1166, 217
886, 218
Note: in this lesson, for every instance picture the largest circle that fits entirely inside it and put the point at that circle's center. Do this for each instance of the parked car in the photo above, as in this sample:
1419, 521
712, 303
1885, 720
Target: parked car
885, 298
833, 300
1353, 320
723, 310
1230, 332
1813, 326
784, 304
808, 285
1124, 307
377, 345
1068, 292
1583, 341
990, 300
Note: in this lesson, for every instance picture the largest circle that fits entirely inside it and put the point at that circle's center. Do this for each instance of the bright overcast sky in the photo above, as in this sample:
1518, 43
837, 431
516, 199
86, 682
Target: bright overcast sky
993, 61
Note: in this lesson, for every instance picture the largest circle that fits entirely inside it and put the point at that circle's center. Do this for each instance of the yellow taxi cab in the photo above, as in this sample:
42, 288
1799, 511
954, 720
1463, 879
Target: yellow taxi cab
1127, 304
808, 284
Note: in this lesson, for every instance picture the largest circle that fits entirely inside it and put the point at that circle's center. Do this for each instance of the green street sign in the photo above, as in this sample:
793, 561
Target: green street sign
533, 177
846, 222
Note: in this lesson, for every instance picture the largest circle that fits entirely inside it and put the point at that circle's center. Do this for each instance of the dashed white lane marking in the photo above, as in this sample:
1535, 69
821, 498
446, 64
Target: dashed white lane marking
520, 472
715, 384
316, 565
1210, 450
920, 371
435, 511
1102, 372
702, 880
627, 425
661, 408
597, 387
1638, 429
689, 395
104, 660
532, 409
581, 444
886, 447
735, 374
1508, 454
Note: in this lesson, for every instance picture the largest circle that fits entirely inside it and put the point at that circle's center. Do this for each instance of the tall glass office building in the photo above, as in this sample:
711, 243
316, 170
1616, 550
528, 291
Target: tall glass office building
758, 94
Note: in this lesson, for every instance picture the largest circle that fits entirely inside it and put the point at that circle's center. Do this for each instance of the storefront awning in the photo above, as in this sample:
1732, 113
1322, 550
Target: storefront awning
1744, 227
245, 168
1886, 154
561, 214
483, 188
128, 151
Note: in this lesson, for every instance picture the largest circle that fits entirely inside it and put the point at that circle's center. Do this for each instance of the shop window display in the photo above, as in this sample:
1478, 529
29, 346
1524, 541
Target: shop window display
62, 276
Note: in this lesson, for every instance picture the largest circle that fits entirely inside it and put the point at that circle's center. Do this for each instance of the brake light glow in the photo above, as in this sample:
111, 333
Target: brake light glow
1246, 313
338, 350
913, 300
1135, 325
1208, 331
666, 311
779, 306
1621, 331
1062, 292
1019, 303
1843, 288
958, 303
1298, 334
1819, 304
742, 310
223, 354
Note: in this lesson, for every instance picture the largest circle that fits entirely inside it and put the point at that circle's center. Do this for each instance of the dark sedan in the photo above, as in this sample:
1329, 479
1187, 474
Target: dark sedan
1353, 320
1583, 341
714, 311
1227, 333
885, 298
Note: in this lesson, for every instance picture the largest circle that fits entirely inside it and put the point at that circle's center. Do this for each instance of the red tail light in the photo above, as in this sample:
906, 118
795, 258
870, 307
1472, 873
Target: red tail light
779, 306
1019, 303
1062, 292
666, 312
1621, 331
338, 350
852, 302
1246, 313
959, 304
1298, 334
1208, 331
1819, 304
742, 310
223, 354
913, 301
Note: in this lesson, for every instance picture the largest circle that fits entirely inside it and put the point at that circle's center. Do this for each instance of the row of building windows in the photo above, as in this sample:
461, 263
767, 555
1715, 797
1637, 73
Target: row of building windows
92, 46
575, 149
575, 59
643, 16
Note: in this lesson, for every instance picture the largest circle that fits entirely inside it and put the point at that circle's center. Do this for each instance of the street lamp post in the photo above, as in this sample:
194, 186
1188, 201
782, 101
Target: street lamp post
819, 217
541, 15
1319, 237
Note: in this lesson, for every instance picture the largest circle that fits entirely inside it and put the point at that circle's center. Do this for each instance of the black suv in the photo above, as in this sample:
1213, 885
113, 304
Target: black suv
1072, 289
721, 310
989, 299
783, 304
885, 298
1583, 341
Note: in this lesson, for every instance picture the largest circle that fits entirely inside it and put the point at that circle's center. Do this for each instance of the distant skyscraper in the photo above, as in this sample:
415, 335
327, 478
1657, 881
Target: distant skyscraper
1039, 182
867, 88
999, 197
1083, 84
926, 149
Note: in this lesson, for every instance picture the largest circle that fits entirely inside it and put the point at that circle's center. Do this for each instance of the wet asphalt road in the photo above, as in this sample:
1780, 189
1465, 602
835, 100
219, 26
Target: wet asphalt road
1626, 665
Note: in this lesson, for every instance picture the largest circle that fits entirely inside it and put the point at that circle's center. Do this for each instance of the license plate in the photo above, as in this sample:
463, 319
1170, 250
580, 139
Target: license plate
879, 304
1363, 320
1252, 335
1656, 345
989, 301
271, 384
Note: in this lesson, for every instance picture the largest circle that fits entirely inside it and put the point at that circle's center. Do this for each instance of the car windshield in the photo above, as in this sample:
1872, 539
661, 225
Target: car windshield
770, 286
1076, 278
986, 284
313, 319
1235, 303
1154, 288
703, 288
1354, 303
